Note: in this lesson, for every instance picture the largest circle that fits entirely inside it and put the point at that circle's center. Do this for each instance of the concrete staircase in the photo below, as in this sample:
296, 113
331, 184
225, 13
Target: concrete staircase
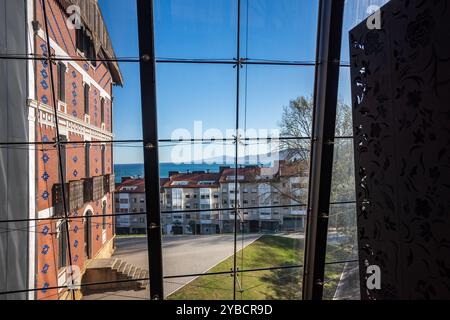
111, 270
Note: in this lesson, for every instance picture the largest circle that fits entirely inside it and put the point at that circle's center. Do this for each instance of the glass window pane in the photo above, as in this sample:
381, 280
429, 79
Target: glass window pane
196, 101
342, 281
342, 233
356, 11
344, 124
274, 284
276, 100
207, 287
193, 29
283, 30
343, 177
274, 173
192, 214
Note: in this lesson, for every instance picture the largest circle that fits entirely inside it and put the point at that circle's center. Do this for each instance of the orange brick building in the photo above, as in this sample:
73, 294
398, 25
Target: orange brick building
84, 100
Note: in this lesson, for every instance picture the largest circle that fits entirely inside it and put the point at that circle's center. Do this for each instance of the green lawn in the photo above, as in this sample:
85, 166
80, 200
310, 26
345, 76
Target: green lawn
268, 251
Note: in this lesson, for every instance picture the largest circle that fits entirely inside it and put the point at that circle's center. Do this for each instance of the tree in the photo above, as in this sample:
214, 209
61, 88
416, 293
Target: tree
296, 121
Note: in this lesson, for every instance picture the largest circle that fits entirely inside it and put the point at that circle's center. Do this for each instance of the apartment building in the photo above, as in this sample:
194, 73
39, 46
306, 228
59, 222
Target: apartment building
192, 191
130, 198
269, 199
83, 90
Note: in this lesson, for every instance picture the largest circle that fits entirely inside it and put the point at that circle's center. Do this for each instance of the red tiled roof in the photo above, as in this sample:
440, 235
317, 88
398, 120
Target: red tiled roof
292, 169
193, 180
244, 174
132, 185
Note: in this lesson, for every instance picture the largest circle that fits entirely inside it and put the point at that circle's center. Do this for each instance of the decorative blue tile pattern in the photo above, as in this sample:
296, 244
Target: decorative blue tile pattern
75, 229
45, 195
75, 243
45, 138
45, 230
45, 268
45, 176
44, 73
43, 47
74, 74
75, 173
44, 99
45, 249
44, 84
44, 287
45, 156
75, 159
75, 259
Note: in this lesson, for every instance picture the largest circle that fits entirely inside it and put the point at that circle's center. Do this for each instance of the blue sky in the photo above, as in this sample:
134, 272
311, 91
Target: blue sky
206, 29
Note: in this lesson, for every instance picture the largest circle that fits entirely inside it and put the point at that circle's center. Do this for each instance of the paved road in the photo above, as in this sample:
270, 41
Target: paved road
181, 255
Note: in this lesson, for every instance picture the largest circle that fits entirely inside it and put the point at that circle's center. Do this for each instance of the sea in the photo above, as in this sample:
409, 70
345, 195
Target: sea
137, 169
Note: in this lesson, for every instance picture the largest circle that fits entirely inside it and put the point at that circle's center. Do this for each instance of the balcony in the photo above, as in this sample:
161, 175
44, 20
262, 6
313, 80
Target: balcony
80, 192
109, 183
73, 194
97, 186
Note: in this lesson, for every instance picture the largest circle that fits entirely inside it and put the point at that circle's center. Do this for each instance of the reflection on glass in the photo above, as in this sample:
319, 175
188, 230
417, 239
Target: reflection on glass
342, 233
343, 177
355, 11
342, 281
344, 125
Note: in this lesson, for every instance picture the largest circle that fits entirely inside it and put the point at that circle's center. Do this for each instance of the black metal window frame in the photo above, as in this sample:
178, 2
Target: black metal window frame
327, 64
150, 144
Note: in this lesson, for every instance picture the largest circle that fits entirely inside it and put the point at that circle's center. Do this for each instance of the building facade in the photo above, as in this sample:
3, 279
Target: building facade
83, 88
201, 203
130, 198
